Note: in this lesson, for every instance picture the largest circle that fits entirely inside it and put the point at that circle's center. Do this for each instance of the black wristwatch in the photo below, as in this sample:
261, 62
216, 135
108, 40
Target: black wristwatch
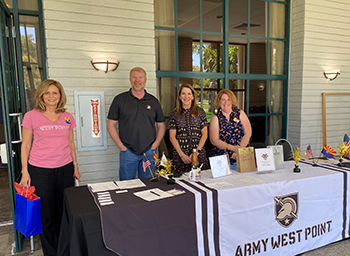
199, 150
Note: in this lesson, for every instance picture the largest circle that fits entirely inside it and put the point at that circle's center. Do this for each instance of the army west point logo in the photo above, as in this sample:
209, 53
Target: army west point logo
286, 209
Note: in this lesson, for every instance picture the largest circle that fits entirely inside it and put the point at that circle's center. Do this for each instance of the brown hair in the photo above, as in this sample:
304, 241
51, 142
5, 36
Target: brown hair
230, 94
42, 88
194, 108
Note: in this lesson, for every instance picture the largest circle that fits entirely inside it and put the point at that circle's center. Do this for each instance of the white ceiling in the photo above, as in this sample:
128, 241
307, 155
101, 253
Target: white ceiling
188, 18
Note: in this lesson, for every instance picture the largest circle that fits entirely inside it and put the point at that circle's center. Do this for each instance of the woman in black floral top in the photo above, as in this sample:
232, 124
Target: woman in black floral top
188, 130
230, 129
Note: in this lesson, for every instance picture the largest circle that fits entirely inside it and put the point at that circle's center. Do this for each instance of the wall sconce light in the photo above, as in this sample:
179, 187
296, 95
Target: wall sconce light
331, 75
105, 65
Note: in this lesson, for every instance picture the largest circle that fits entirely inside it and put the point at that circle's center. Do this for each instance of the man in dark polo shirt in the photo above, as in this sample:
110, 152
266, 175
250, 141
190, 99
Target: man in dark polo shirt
137, 113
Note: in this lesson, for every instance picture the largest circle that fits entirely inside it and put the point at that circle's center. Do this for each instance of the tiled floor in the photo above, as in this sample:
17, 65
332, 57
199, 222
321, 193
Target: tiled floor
337, 249
7, 240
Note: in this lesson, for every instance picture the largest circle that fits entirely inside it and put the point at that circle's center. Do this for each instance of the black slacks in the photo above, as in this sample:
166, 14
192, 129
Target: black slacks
50, 184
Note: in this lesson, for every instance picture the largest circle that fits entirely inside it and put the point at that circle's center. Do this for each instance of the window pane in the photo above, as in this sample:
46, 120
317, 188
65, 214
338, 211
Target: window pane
188, 14
258, 131
188, 51
257, 62
238, 17
212, 38
167, 97
167, 94
164, 13
36, 70
190, 81
240, 99
210, 90
212, 16
257, 96
275, 126
28, 41
277, 20
276, 96
196, 57
28, 5
197, 88
258, 14
277, 57
31, 56
212, 59
237, 55
238, 88
165, 45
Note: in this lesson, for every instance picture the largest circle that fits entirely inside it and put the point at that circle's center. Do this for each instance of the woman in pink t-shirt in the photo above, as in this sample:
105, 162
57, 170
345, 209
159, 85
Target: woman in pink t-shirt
48, 157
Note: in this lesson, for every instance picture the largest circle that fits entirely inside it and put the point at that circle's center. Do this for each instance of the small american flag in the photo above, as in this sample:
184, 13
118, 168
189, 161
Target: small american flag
145, 163
347, 143
308, 153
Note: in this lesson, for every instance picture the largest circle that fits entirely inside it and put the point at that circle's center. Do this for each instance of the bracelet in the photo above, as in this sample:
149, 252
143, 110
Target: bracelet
75, 163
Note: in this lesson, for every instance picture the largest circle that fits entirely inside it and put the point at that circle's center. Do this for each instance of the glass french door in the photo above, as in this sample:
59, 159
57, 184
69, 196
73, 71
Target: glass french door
10, 102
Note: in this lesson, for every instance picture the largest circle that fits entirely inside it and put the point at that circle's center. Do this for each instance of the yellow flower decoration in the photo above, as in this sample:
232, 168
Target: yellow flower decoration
342, 149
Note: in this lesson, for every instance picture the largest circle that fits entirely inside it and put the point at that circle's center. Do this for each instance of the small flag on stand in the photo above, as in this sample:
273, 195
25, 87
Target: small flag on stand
328, 151
347, 143
163, 161
308, 153
145, 163
155, 158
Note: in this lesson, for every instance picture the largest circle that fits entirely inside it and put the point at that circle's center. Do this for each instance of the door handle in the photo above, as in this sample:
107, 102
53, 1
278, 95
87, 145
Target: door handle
19, 121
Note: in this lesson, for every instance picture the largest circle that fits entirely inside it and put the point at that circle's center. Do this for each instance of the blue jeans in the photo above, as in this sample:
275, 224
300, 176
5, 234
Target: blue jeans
233, 166
130, 164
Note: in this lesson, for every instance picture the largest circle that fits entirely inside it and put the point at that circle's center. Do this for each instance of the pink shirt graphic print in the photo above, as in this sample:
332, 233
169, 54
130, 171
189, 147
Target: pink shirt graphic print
50, 146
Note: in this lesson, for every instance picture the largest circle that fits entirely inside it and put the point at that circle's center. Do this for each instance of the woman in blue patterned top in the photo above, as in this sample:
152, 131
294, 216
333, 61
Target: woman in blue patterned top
230, 128
188, 130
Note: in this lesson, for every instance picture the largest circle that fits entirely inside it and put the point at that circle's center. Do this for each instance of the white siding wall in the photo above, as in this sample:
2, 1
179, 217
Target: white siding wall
320, 40
77, 31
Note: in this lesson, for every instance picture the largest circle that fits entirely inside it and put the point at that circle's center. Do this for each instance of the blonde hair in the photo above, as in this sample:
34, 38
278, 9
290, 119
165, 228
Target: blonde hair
230, 94
194, 108
138, 69
42, 88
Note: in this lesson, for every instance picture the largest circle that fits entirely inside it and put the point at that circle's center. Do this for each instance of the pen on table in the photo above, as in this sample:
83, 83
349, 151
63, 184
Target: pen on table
179, 189
155, 193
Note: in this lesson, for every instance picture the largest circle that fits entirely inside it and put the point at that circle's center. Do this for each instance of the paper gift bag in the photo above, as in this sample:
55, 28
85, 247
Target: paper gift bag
278, 156
246, 160
28, 216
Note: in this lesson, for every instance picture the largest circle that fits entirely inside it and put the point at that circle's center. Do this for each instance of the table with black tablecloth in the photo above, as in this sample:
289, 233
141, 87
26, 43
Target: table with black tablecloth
160, 226
223, 216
